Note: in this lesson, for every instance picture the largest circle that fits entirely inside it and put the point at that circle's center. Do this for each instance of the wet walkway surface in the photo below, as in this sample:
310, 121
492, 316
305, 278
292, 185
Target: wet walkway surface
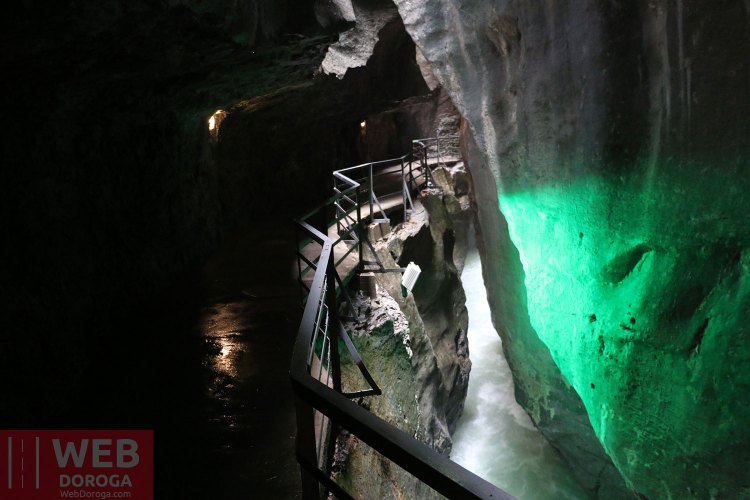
207, 369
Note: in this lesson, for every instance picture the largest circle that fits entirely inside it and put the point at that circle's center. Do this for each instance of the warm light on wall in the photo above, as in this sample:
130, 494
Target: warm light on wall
362, 125
215, 119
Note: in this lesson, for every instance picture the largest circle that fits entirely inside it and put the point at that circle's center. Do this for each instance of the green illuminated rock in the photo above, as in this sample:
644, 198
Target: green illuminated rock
608, 145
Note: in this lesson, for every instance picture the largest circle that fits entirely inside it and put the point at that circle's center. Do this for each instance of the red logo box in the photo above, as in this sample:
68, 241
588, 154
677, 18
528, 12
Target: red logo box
44, 465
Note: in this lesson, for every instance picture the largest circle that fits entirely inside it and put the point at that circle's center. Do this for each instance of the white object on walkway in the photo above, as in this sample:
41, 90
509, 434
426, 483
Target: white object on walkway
410, 276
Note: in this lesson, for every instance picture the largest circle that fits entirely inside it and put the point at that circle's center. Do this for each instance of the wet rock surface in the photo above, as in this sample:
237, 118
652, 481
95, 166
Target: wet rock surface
607, 144
415, 346
436, 313
372, 314
439, 295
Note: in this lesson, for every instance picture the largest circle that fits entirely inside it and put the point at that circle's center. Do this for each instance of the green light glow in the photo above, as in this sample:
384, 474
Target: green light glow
641, 291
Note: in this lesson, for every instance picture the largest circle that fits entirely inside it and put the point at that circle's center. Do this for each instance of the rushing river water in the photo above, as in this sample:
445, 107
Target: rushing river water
495, 438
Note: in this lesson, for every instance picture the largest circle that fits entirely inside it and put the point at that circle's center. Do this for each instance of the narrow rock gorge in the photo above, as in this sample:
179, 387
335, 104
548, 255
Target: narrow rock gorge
608, 145
150, 145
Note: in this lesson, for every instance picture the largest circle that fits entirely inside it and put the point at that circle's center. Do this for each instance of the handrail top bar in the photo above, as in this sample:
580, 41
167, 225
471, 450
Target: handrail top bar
397, 158
317, 235
344, 178
326, 203
373, 163
424, 463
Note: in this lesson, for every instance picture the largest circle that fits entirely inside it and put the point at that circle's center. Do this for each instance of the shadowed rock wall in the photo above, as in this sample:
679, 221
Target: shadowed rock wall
254, 21
246, 22
275, 153
110, 189
114, 185
614, 240
430, 381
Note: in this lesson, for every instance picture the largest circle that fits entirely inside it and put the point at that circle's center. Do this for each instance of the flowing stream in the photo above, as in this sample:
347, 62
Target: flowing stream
495, 438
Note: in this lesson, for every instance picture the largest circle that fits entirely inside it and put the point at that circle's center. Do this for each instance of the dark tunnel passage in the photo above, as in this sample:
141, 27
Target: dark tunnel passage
149, 275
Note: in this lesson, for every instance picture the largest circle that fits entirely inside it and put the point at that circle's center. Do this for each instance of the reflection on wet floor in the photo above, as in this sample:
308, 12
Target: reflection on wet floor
207, 367
247, 327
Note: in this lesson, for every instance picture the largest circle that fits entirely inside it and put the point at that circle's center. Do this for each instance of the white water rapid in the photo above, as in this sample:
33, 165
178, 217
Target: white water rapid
495, 438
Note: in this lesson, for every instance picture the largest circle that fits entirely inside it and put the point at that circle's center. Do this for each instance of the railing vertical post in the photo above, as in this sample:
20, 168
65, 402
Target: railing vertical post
300, 278
372, 193
333, 322
306, 449
426, 166
411, 170
322, 220
360, 232
333, 335
335, 209
403, 186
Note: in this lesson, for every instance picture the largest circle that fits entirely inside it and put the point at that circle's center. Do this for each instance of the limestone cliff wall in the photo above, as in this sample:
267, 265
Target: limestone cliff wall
608, 145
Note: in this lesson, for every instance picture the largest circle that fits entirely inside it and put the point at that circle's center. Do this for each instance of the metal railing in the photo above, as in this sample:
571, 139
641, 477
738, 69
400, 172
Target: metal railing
362, 194
322, 406
443, 149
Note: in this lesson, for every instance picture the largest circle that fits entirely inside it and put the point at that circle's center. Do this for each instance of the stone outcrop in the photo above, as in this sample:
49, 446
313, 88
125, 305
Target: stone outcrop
437, 314
607, 141
382, 336
416, 347
355, 46
288, 169
389, 134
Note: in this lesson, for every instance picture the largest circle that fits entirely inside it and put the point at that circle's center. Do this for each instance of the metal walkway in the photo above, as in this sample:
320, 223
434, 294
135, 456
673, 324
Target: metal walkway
333, 247
366, 194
